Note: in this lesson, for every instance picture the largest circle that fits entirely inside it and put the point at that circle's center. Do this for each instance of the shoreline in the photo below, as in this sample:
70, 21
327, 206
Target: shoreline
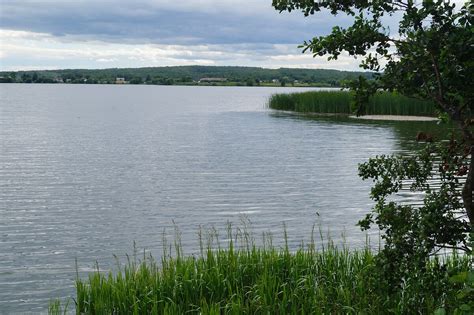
364, 117
395, 118
196, 84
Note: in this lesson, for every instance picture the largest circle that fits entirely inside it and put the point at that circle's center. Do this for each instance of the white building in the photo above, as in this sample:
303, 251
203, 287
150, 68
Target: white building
120, 81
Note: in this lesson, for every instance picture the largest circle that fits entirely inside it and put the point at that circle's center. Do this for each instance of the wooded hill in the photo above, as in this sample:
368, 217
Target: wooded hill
187, 75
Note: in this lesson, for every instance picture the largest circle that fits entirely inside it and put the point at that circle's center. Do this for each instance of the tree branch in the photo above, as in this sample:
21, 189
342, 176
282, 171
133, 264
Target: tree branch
402, 4
438, 76
440, 247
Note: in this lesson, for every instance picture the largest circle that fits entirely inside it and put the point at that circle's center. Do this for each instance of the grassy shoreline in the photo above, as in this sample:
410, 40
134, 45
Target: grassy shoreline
340, 102
250, 279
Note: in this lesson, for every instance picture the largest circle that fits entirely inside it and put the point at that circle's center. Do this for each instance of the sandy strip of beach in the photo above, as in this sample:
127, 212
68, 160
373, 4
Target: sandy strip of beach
396, 117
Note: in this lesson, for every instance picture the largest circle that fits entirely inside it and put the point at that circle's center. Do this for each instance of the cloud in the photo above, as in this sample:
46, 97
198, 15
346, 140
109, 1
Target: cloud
123, 33
106, 59
163, 21
22, 48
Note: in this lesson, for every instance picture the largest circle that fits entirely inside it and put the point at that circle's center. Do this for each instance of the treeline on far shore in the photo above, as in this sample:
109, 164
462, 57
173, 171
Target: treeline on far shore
188, 75
340, 102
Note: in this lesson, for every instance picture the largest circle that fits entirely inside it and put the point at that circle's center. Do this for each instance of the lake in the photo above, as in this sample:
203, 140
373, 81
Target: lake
87, 170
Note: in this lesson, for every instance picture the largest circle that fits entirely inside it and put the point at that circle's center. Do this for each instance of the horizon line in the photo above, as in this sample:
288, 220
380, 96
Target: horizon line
182, 66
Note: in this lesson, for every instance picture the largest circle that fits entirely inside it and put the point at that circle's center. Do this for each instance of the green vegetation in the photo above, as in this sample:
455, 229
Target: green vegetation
428, 55
248, 279
188, 75
340, 102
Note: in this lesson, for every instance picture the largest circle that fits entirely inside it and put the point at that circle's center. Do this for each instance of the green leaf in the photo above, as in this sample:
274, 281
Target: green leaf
470, 277
459, 278
465, 307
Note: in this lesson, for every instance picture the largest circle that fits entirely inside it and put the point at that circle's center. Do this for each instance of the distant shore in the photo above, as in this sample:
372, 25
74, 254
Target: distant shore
189, 75
302, 85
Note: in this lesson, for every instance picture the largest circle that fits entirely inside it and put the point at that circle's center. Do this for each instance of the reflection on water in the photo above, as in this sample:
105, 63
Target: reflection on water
405, 131
87, 170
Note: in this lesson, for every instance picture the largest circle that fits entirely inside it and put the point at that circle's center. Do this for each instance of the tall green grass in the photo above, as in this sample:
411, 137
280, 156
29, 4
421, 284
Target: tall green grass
250, 279
339, 102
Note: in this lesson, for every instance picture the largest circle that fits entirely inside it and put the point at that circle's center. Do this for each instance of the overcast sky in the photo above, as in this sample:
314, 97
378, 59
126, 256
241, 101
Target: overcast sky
52, 34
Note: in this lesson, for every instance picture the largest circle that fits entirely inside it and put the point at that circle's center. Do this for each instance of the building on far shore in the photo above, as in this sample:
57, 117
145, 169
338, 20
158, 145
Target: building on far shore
212, 80
120, 81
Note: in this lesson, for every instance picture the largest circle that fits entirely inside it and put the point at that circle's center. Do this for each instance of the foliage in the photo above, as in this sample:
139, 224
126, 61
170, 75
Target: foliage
185, 75
429, 58
241, 278
340, 102
412, 233
465, 296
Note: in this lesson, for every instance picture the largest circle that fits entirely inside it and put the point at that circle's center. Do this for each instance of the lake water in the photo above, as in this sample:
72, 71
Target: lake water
87, 170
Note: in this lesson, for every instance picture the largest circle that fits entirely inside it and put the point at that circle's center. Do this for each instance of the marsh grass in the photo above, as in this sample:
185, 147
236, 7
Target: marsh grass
340, 102
242, 278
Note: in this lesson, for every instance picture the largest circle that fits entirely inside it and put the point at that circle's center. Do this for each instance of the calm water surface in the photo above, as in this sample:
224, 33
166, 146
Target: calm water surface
87, 170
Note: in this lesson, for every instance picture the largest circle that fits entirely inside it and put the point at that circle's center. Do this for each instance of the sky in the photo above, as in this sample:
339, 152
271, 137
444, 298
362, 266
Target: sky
59, 34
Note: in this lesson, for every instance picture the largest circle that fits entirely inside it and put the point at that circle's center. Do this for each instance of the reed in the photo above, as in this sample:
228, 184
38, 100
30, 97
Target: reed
340, 102
250, 279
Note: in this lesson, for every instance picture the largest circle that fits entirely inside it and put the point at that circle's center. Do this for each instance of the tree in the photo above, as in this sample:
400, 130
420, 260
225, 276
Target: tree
26, 78
431, 56
136, 80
